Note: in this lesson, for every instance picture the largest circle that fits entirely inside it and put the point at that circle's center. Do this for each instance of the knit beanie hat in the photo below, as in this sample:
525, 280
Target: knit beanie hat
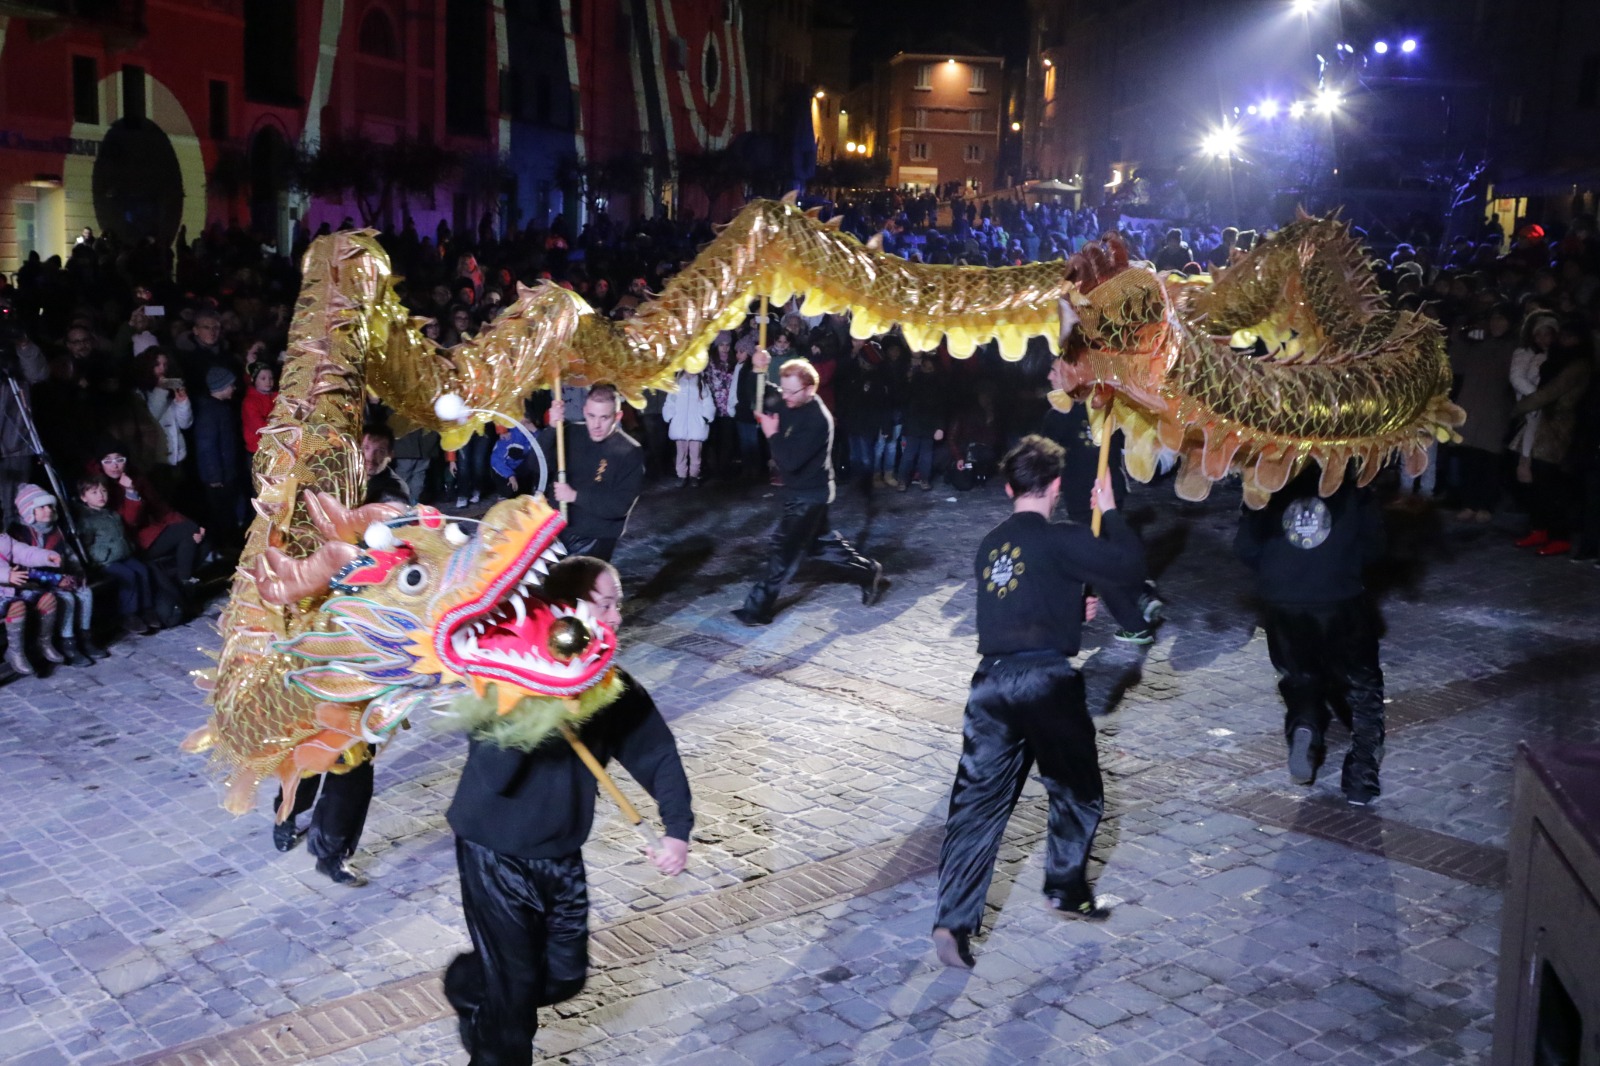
29, 497
218, 378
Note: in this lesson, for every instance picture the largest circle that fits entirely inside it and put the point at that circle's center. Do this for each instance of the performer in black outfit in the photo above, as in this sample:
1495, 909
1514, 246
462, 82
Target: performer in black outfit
1322, 630
800, 435
1027, 699
605, 473
1136, 612
520, 820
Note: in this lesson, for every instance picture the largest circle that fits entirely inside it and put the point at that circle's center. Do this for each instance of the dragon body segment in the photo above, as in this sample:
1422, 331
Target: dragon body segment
343, 617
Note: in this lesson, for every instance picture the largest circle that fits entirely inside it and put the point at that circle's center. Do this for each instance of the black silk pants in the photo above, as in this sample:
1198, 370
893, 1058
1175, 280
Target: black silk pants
342, 802
803, 533
1022, 708
529, 921
1326, 656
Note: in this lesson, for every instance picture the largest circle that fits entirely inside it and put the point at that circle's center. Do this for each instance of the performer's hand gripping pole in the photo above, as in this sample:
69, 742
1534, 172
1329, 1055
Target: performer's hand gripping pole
628, 810
1108, 426
561, 470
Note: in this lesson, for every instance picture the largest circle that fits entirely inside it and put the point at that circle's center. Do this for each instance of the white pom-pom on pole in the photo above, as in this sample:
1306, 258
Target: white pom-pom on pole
451, 408
380, 537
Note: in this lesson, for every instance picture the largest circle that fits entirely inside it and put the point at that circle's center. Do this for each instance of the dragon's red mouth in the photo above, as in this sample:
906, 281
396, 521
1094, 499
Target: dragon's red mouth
508, 632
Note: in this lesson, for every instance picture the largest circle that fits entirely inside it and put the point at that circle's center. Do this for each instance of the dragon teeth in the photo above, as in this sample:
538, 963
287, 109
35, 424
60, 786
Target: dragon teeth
539, 567
520, 608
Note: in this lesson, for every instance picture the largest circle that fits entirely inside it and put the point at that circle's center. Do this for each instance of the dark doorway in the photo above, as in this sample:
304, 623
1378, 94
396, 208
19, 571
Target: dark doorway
270, 165
138, 186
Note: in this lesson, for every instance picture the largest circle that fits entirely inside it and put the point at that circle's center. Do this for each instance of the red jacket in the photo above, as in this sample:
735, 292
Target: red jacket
253, 415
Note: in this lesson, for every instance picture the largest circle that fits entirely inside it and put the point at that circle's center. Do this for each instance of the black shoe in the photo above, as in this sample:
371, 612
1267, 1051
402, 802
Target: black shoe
749, 617
1089, 910
1359, 783
152, 621
284, 836
954, 949
90, 648
1303, 756
873, 590
339, 873
75, 655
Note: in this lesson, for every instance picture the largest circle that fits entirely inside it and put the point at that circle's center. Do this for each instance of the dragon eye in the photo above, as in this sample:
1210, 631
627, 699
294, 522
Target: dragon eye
412, 578
568, 638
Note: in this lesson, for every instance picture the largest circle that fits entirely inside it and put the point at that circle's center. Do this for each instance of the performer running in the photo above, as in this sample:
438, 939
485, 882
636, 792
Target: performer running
800, 435
1027, 699
1322, 630
605, 473
520, 820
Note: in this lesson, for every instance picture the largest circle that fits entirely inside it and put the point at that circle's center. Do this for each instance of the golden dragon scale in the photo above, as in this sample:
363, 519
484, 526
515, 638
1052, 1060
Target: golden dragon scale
1285, 358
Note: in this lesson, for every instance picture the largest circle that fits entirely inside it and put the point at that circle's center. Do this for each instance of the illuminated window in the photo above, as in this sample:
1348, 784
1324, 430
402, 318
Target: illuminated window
925, 76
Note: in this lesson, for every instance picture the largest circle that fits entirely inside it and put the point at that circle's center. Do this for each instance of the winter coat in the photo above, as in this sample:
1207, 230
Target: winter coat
1483, 369
689, 411
15, 553
1557, 404
217, 440
147, 515
254, 414
173, 416
104, 536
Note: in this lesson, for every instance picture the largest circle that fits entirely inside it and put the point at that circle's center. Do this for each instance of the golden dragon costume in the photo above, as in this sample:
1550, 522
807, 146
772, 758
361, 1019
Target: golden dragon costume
342, 619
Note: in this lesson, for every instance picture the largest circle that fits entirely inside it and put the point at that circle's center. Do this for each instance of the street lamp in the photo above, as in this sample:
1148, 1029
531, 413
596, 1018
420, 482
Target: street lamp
1408, 45
1297, 109
1268, 109
1328, 101
1381, 47
1305, 7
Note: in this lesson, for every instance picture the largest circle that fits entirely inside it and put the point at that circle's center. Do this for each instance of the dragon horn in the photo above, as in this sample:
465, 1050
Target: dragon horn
335, 521
281, 580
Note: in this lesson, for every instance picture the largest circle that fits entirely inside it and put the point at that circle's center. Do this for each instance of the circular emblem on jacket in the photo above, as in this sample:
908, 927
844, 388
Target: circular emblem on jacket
1005, 566
1307, 523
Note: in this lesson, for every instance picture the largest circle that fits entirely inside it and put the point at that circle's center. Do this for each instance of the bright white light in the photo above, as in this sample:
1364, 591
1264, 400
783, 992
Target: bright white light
1252, 109
1408, 45
1305, 7
1297, 109
1221, 142
1381, 47
1016, 127
1268, 109
849, 146
1328, 101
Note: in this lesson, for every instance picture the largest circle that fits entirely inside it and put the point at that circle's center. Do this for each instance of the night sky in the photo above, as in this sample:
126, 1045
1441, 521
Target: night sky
885, 27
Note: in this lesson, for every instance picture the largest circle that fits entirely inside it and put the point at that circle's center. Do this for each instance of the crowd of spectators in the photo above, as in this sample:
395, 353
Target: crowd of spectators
150, 373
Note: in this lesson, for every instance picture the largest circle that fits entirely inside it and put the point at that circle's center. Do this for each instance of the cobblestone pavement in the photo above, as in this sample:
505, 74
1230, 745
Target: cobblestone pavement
1254, 920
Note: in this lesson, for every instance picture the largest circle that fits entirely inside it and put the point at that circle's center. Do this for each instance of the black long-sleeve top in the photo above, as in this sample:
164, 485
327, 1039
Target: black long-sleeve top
1031, 573
1072, 431
540, 804
803, 450
1307, 550
607, 476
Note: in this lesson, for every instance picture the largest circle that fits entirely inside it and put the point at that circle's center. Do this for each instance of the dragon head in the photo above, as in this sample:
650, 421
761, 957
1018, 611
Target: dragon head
418, 602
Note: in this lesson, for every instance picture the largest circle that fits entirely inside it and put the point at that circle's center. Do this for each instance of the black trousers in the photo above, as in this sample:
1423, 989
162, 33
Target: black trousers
597, 547
341, 803
1022, 708
1326, 656
529, 921
803, 532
